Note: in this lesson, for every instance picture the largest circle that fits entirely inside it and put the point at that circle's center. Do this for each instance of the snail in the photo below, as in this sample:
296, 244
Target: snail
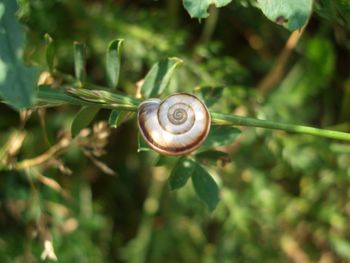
175, 126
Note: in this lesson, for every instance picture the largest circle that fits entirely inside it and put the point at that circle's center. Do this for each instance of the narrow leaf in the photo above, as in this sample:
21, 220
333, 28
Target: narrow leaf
50, 52
158, 78
113, 56
113, 118
181, 172
79, 61
142, 145
211, 95
221, 135
199, 8
117, 117
205, 186
17, 80
83, 118
292, 14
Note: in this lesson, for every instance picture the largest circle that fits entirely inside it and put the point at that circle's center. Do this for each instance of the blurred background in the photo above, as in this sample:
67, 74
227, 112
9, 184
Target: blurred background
284, 197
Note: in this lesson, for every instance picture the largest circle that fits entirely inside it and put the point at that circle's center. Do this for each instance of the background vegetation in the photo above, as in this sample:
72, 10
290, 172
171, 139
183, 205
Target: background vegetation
283, 197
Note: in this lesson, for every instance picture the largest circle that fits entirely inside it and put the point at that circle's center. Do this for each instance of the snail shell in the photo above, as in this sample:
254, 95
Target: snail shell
175, 126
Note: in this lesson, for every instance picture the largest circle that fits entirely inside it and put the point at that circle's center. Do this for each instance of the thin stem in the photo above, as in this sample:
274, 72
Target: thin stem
113, 95
43, 157
278, 69
110, 100
225, 119
48, 96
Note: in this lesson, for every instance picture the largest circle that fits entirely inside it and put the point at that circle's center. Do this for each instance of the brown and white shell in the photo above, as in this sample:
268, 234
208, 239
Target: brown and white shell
175, 126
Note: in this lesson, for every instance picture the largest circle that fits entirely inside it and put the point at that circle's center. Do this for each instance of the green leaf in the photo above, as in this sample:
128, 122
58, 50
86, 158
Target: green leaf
221, 135
181, 172
341, 246
79, 61
158, 78
47, 93
113, 118
292, 14
205, 186
142, 145
213, 157
17, 80
50, 52
113, 62
199, 8
83, 118
165, 160
117, 117
211, 95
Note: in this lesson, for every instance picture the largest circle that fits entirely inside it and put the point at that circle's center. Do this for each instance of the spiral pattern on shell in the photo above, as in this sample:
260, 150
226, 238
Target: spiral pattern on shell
175, 126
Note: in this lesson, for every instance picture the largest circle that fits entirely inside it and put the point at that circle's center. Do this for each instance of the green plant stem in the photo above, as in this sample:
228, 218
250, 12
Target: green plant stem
51, 97
225, 119
109, 100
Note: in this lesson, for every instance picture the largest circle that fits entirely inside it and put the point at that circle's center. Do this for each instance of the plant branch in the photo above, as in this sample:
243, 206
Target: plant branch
225, 119
84, 97
43, 157
109, 100
277, 71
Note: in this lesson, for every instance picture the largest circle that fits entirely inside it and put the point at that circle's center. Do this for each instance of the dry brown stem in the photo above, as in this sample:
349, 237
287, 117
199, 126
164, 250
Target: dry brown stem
55, 149
277, 71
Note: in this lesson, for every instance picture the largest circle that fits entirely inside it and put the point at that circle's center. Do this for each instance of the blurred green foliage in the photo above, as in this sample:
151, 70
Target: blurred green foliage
284, 198
13, 72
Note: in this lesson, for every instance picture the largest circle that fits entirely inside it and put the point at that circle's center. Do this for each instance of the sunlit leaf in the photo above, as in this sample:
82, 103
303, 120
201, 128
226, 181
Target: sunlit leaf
79, 61
199, 8
117, 117
292, 14
50, 52
17, 80
113, 62
158, 78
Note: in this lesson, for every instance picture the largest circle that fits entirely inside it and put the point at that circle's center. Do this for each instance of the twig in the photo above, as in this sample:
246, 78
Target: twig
277, 71
52, 184
226, 119
218, 118
64, 143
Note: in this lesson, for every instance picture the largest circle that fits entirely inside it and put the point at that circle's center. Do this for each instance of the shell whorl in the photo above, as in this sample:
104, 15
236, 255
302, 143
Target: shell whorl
175, 126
